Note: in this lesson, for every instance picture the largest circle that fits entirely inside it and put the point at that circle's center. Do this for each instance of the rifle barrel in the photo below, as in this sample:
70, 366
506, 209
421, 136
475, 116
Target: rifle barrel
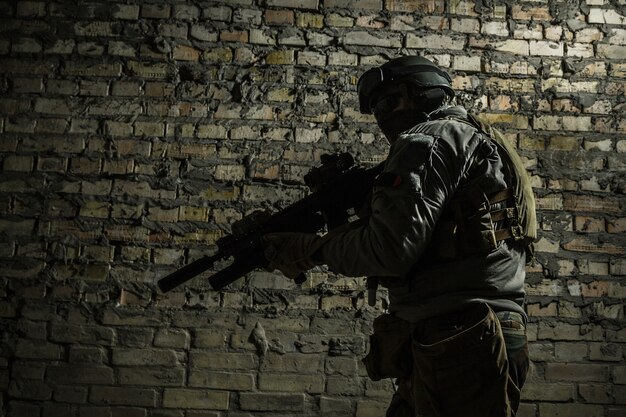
242, 264
184, 274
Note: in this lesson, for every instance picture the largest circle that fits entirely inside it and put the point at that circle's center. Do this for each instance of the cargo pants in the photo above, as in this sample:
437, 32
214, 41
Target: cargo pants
469, 364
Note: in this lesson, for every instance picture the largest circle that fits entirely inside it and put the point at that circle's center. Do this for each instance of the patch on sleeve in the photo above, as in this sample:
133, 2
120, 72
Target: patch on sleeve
388, 179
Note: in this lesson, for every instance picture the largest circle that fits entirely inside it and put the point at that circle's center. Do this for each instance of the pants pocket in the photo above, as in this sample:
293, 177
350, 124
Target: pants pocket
464, 374
389, 353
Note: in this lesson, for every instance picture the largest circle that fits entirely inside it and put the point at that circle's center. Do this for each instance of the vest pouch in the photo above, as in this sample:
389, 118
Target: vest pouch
389, 353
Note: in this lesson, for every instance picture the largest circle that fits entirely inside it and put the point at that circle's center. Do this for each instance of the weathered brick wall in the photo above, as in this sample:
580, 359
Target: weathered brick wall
133, 133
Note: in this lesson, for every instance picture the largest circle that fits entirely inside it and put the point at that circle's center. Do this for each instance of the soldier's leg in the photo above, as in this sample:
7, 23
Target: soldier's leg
404, 402
516, 343
399, 407
461, 361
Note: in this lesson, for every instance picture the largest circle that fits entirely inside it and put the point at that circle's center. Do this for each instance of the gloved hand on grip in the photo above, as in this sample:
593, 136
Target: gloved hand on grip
291, 253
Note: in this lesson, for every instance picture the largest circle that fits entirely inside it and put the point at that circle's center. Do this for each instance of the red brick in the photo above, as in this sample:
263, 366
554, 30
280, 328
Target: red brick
583, 244
409, 6
589, 224
234, 36
576, 372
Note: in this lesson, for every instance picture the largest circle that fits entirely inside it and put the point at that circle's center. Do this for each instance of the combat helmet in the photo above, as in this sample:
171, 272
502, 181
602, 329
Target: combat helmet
413, 70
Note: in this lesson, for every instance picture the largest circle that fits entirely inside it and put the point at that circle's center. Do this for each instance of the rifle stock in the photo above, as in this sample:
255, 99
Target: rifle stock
326, 207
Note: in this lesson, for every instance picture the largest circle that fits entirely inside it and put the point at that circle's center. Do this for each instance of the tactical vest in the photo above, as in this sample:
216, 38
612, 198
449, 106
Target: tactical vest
474, 223
526, 216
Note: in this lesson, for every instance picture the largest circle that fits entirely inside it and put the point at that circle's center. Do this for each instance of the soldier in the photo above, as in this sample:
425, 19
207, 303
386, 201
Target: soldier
450, 225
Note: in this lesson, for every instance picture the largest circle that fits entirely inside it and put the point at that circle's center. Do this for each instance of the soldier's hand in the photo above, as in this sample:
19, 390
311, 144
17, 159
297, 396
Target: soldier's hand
290, 253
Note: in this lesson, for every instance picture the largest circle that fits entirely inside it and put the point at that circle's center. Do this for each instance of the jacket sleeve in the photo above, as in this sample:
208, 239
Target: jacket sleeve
420, 175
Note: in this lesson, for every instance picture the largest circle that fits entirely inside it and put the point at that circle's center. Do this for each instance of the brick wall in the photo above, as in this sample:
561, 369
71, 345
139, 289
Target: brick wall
133, 133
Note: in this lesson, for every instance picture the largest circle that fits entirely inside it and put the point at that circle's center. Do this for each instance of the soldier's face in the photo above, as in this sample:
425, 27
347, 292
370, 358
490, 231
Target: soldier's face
389, 97
394, 112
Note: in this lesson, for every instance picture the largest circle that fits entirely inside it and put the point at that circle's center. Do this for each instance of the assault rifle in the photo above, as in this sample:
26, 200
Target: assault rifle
339, 188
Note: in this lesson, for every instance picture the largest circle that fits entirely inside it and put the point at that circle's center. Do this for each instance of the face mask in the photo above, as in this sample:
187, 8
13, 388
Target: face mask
386, 105
393, 124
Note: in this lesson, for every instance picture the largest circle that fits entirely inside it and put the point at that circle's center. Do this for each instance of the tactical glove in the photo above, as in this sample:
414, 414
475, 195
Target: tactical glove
291, 253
